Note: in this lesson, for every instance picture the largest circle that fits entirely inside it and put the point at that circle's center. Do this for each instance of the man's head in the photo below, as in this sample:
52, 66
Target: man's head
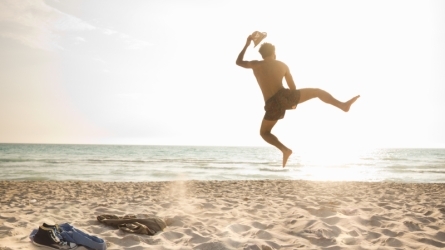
267, 50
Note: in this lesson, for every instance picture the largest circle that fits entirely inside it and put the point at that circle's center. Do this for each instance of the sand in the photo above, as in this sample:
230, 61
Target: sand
269, 214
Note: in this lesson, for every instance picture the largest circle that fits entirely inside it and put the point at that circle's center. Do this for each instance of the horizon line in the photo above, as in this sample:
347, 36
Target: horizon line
199, 145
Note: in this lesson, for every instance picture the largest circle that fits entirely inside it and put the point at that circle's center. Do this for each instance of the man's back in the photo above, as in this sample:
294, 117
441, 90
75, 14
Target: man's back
269, 74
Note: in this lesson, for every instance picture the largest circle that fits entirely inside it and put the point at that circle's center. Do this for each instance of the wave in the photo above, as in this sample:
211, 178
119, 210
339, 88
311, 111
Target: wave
55, 161
274, 169
428, 169
167, 160
14, 160
394, 159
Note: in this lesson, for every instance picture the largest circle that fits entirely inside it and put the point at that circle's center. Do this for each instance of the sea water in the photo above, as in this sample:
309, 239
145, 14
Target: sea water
169, 163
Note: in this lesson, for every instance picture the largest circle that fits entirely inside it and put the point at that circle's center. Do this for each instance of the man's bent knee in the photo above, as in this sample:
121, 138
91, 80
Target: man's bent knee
265, 133
266, 128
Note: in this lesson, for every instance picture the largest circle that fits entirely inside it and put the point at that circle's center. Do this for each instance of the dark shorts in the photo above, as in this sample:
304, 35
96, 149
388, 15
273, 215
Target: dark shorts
277, 105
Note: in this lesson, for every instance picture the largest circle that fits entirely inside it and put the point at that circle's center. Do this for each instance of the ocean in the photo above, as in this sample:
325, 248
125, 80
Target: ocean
124, 163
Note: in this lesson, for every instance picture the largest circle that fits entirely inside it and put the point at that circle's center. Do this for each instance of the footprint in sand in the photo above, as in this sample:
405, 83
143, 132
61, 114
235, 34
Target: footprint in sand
264, 235
349, 240
412, 226
239, 228
393, 242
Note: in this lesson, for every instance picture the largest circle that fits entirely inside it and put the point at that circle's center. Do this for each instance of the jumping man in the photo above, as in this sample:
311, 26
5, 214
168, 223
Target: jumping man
269, 74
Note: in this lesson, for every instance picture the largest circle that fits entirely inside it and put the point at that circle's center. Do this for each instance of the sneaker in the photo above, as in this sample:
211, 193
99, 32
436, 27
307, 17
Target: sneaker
55, 229
49, 226
45, 237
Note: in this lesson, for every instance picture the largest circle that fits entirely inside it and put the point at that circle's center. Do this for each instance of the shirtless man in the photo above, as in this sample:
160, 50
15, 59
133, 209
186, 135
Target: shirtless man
269, 74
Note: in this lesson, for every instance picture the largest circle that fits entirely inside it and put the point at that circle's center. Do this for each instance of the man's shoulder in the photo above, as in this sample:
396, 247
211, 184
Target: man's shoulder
255, 63
283, 65
267, 62
280, 62
274, 63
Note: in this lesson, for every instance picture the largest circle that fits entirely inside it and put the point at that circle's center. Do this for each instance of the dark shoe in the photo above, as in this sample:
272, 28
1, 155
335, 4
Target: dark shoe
45, 237
55, 228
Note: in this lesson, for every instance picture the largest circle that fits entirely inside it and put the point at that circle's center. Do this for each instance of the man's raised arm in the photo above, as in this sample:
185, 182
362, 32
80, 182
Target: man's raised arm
240, 60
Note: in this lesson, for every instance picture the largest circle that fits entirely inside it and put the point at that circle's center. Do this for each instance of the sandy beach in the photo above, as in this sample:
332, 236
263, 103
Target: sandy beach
268, 214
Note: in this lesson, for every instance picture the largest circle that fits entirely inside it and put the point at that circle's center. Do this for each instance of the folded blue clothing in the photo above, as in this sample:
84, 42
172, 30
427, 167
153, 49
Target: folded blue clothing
69, 233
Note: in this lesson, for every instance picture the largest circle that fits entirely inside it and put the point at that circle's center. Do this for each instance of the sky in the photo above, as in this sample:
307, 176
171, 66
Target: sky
151, 72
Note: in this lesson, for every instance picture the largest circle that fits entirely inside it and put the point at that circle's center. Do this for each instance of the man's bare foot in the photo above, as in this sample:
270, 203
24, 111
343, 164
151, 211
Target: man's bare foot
286, 154
349, 103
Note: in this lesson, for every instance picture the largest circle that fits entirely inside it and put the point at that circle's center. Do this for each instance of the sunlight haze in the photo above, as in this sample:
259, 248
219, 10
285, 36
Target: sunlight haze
164, 72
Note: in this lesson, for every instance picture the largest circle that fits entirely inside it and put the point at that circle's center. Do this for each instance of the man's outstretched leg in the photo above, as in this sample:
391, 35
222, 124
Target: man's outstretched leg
265, 132
309, 93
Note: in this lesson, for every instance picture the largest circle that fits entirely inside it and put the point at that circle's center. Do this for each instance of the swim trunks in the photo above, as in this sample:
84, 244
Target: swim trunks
277, 105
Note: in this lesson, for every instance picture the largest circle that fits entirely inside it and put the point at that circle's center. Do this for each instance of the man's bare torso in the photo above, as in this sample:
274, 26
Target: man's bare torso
269, 75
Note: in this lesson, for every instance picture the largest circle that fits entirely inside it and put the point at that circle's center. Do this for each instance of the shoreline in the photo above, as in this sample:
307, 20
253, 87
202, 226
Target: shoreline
244, 214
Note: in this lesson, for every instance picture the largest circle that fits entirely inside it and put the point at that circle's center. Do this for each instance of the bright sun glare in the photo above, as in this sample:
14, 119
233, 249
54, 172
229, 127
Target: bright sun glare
331, 163
149, 73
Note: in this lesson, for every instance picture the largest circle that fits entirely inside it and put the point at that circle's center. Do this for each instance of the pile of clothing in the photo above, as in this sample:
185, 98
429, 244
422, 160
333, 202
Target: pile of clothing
65, 236
131, 224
